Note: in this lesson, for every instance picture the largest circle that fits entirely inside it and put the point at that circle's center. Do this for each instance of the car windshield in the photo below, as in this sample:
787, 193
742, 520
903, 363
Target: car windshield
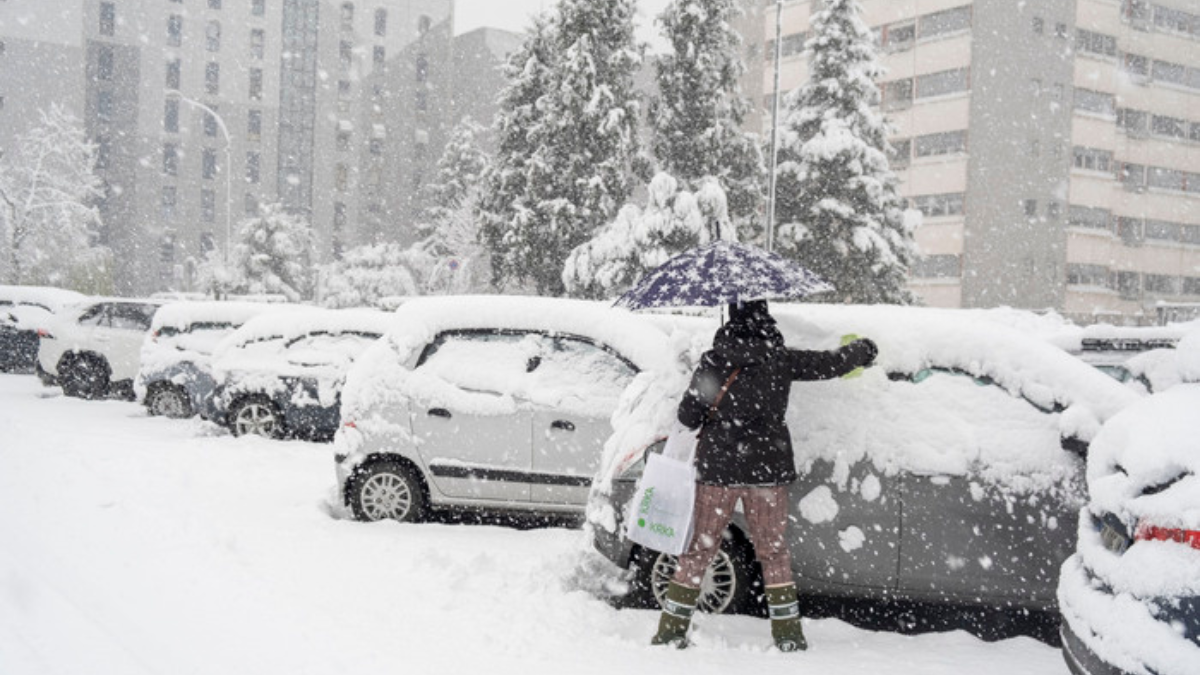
328, 348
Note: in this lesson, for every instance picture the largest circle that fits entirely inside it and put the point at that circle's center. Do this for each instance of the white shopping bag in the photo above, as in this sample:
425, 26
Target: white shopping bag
660, 517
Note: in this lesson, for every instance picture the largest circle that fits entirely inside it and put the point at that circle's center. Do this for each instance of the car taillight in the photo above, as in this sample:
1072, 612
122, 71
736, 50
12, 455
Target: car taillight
1147, 532
43, 333
350, 424
154, 336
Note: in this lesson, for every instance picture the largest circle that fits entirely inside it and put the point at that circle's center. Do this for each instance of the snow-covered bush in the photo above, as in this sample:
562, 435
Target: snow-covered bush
367, 274
639, 240
274, 254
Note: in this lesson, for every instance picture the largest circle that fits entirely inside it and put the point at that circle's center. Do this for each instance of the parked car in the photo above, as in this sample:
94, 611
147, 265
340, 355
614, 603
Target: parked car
23, 309
175, 378
496, 404
1130, 595
951, 472
281, 374
1115, 350
93, 349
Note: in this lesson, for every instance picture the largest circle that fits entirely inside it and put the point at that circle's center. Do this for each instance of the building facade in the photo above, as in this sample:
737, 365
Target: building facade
1053, 147
204, 109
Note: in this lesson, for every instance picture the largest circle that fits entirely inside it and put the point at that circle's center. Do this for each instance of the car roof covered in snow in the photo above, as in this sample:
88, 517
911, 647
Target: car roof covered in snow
287, 326
52, 299
181, 315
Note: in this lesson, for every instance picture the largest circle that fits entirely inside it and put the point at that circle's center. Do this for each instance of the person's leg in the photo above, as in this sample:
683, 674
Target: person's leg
712, 512
767, 515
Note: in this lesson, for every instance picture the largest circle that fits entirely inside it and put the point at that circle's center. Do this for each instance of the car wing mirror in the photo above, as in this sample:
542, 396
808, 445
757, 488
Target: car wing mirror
533, 363
1075, 445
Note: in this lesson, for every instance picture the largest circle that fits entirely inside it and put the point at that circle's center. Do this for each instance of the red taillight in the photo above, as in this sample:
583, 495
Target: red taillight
351, 424
43, 333
154, 336
1147, 532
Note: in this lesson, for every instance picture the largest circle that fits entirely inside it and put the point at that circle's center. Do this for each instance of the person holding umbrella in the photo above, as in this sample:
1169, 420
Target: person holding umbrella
744, 451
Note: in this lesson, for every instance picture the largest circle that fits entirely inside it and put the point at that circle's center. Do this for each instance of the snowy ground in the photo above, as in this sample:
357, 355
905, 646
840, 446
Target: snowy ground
133, 545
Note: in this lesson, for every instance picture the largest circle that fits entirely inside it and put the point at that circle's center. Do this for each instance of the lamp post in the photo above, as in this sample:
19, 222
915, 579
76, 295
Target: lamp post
175, 93
774, 127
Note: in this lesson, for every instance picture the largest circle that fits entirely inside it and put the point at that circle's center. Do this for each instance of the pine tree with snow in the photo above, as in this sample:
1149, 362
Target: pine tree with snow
640, 240
274, 254
581, 147
698, 116
48, 191
367, 275
837, 207
460, 170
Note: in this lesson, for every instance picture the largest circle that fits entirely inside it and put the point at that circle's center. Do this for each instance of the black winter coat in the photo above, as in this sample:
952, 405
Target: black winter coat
746, 441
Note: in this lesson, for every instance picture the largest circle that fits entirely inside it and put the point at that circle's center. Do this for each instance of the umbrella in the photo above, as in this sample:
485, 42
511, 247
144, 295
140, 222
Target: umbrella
719, 273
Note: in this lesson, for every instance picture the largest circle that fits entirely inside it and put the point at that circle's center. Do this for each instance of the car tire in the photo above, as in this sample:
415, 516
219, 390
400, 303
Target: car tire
84, 376
386, 490
256, 416
168, 400
728, 584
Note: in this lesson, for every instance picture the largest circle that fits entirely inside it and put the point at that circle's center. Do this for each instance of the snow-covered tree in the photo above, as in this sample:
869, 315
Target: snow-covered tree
274, 254
460, 170
580, 154
699, 113
48, 191
640, 240
837, 205
367, 274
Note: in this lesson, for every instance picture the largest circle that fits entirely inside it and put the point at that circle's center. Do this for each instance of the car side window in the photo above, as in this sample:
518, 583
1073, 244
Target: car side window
572, 368
94, 316
128, 316
488, 362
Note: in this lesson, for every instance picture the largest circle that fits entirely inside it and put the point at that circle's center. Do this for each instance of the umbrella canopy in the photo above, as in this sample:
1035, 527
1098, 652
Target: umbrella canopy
719, 273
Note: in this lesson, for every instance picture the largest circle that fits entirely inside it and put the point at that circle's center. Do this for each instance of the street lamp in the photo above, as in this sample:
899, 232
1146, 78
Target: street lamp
774, 127
175, 93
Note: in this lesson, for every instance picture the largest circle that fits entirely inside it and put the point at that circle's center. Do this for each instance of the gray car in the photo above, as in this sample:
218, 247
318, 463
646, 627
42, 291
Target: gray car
952, 472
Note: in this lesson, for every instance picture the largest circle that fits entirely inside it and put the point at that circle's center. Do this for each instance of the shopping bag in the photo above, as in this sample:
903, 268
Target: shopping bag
661, 514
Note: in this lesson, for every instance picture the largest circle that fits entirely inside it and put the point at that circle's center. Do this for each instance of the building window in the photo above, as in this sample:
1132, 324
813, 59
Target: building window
896, 37
208, 167
104, 63
381, 22
208, 205
170, 159
897, 94
901, 152
103, 147
258, 7
933, 206
1030, 208
212, 78
174, 30
423, 24
1089, 217
1127, 284
1166, 179
254, 125
1087, 275
1165, 71
1135, 123
1129, 230
948, 21
174, 69
1060, 31
347, 16
345, 54
944, 82
104, 105
212, 36
168, 201
253, 161
422, 100
258, 39
376, 146
341, 177
1162, 230
343, 140
1088, 42
256, 84
208, 243
1168, 126
108, 18
1162, 284
250, 204
1095, 102
1039, 25
1135, 64
1092, 159
210, 121
422, 67
1133, 175
947, 143
171, 116
379, 55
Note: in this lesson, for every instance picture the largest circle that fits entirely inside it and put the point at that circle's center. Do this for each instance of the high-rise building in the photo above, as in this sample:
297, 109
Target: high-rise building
204, 109
1053, 147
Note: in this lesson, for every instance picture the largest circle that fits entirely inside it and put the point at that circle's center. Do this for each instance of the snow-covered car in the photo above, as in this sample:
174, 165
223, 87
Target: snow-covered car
494, 403
175, 378
23, 310
94, 348
281, 374
950, 472
1120, 351
1130, 595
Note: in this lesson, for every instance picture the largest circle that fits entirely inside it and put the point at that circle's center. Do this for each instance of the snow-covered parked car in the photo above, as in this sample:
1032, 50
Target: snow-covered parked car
23, 310
175, 378
94, 348
281, 374
493, 403
1130, 596
950, 472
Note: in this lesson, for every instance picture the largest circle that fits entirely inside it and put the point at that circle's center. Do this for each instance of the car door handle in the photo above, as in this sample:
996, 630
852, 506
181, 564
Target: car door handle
440, 412
562, 424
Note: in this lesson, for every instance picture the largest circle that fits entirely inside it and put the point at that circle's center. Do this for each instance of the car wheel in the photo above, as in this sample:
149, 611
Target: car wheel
386, 490
84, 376
256, 416
168, 401
725, 588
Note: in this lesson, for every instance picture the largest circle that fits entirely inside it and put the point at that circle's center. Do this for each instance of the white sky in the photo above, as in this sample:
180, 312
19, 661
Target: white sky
515, 15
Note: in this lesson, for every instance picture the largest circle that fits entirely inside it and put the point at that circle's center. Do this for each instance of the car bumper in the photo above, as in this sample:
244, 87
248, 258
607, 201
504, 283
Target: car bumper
1080, 659
613, 544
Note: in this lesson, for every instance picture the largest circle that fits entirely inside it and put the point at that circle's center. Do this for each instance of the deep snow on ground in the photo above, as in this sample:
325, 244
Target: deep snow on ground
132, 545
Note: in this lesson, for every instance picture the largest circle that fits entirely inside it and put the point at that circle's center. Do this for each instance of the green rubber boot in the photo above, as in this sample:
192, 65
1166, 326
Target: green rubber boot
785, 618
678, 607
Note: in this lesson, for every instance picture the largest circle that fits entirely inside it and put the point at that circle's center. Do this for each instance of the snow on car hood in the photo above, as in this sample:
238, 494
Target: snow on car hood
383, 377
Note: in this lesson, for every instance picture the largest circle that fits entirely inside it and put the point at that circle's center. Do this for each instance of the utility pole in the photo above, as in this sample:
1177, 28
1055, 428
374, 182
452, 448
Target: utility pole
774, 127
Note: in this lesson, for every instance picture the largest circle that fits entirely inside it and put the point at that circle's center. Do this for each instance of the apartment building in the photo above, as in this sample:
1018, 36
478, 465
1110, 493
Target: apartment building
203, 109
1053, 147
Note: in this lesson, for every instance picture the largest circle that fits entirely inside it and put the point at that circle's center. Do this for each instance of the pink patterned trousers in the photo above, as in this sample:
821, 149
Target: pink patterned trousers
766, 515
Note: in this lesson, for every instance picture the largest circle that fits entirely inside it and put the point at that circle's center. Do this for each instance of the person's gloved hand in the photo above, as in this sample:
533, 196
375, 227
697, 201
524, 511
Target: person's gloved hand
867, 350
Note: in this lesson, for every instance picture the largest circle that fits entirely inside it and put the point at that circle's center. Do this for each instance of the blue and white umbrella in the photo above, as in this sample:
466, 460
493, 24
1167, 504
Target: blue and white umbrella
720, 273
